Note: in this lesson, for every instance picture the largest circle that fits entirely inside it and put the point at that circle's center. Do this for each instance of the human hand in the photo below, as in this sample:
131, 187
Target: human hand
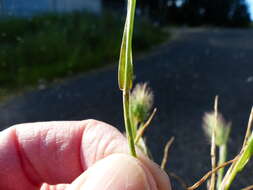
88, 155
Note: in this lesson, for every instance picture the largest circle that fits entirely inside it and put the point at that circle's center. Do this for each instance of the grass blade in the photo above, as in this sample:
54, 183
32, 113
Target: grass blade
125, 64
125, 73
239, 165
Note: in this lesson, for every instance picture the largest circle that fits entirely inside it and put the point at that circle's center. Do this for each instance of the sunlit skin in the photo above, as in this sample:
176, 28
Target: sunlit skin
89, 155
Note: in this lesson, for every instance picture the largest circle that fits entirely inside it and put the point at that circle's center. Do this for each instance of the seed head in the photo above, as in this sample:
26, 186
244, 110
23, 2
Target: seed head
221, 128
141, 101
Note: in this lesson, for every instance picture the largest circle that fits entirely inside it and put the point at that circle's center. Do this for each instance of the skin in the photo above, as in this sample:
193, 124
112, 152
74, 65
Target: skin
88, 155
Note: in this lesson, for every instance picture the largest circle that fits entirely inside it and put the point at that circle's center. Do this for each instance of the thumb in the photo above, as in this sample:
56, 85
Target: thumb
115, 172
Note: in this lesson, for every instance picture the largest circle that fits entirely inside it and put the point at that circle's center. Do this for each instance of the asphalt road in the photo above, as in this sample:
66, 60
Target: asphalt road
185, 76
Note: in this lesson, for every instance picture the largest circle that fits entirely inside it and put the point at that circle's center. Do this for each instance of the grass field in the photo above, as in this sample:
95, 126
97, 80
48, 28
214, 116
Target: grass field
49, 47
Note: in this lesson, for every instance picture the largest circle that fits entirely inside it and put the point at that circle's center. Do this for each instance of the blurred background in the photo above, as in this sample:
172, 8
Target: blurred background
58, 61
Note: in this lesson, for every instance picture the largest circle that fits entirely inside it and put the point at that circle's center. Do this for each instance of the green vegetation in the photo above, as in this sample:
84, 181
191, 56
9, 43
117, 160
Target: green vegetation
137, 104
49, 47
125, 73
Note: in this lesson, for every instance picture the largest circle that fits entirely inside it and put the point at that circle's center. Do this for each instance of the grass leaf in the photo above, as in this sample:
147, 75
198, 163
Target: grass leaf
246, 154
244, 158
125, 63
125, 73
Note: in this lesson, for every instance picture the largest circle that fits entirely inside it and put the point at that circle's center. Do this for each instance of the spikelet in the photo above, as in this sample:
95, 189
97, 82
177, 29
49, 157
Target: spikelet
141, 102
221, 129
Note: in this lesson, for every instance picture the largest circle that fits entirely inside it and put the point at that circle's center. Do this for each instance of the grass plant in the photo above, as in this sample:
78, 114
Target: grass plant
217, 130
137, 108
125, 74
48, 47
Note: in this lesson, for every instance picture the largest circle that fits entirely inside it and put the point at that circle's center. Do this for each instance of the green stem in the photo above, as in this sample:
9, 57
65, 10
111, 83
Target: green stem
213, 161
222, 159
238, 165
126, 72
126, 91
128, 123
132, 5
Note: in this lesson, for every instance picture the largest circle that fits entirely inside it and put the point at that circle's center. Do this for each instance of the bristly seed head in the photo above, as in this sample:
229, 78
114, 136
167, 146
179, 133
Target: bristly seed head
141, 102
221, 128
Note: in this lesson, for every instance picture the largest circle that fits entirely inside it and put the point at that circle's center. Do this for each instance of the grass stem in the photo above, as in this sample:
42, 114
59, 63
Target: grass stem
129, 131
222, 159
213, 145
126, 73
248, 188
142, 129
243, 157
207, 175
238, 166
166, 151
249, 128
